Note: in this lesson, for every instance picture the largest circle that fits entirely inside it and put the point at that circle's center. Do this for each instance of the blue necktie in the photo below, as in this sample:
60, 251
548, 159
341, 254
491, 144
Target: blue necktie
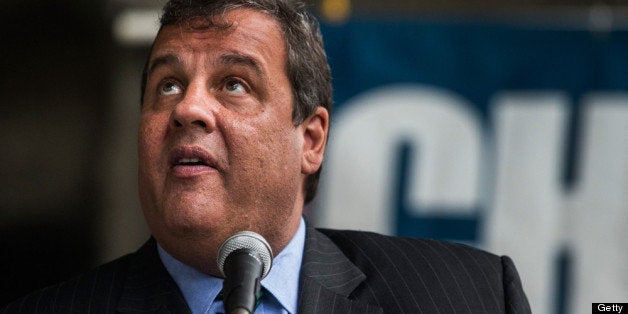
219, 305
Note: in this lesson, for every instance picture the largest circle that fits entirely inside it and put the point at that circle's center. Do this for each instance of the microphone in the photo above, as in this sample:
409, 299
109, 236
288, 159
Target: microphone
244, 259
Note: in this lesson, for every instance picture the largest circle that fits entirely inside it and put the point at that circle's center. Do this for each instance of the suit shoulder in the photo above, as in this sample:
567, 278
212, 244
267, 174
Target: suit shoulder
76, 294
349, 239
382, 249
438, 275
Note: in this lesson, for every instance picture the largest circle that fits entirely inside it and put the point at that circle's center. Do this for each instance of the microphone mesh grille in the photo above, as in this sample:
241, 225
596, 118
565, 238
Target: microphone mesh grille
246, 240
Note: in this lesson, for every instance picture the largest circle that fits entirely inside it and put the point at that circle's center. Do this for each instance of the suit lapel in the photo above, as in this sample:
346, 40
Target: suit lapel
328, 278
149, 288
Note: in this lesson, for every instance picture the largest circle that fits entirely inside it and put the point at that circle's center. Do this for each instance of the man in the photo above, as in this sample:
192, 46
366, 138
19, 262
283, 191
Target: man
235, 115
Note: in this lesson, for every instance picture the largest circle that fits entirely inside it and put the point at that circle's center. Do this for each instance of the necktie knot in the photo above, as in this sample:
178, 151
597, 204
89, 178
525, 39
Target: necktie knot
260, 295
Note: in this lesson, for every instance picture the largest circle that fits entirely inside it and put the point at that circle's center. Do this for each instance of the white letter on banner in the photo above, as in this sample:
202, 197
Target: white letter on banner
525, 219
597, 211
360, 171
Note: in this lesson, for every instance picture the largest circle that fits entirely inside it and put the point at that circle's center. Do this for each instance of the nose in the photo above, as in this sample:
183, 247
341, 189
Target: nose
194, 111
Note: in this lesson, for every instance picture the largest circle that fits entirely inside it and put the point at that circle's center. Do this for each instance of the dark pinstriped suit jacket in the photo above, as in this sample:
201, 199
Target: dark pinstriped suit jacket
342, 272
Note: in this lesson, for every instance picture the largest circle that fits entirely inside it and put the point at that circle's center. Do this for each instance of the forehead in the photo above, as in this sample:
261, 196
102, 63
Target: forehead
244, 30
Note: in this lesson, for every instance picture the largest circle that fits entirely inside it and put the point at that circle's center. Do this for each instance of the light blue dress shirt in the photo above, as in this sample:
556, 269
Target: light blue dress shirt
282, 282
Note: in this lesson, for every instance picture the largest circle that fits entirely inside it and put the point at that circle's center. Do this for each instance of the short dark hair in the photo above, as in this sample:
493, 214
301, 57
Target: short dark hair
307, 67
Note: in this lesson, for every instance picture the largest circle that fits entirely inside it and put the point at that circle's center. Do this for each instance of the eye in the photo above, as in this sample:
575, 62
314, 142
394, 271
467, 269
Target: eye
235, 87
170, 88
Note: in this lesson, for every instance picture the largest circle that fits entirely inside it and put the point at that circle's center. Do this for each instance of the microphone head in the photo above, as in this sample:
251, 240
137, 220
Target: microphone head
246, 240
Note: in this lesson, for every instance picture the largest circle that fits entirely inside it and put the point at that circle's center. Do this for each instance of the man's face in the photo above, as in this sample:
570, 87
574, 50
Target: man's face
218, 151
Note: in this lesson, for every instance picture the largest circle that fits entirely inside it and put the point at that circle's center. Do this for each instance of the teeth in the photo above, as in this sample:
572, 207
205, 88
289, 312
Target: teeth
189, 160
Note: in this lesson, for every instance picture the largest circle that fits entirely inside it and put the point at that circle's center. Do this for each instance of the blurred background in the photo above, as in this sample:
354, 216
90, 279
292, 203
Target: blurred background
500, 124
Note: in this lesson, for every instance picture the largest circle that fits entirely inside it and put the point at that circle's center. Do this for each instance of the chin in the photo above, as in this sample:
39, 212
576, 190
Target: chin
192, 226
181, 222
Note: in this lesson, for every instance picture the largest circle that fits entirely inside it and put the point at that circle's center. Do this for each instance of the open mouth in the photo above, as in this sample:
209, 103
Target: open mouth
191, 160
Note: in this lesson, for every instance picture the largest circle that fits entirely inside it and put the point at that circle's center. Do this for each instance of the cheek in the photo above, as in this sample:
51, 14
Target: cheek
269, 139
144, 148
278, 154
149, 146
264, 149
151, 129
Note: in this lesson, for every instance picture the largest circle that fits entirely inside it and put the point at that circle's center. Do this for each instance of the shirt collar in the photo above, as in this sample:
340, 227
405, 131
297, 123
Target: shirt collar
200, 289
283, 279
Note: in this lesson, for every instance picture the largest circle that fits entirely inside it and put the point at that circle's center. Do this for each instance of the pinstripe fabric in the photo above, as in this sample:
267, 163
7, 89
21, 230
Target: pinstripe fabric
328, 278
404, 275
342, 272
135, 283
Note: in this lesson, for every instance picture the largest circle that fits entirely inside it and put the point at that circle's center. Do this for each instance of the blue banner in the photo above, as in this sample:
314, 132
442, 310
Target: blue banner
509, 137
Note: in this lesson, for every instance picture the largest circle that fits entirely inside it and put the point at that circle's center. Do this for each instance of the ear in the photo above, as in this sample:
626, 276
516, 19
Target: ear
315, 129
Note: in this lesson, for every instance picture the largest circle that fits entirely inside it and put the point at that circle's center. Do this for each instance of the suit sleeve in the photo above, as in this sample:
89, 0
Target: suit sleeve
515, 299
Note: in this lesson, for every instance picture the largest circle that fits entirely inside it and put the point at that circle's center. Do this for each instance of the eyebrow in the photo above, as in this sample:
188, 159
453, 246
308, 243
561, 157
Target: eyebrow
234, 59
167, 59
231, 59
